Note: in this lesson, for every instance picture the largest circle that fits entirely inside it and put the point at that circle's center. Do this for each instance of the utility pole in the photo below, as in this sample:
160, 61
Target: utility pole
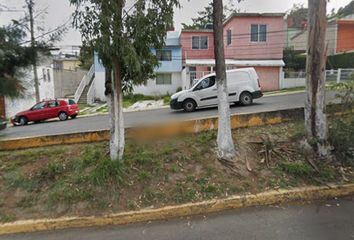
315, 116
30, 5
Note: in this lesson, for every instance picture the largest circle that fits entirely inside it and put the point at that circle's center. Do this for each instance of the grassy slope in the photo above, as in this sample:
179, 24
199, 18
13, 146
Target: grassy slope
81, 180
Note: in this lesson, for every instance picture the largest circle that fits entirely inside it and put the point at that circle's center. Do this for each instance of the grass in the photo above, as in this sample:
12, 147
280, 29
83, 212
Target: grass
83, 106
81, 179
295, 168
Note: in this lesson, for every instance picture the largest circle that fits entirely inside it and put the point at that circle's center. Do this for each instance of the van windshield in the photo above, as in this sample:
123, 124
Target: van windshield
195, 81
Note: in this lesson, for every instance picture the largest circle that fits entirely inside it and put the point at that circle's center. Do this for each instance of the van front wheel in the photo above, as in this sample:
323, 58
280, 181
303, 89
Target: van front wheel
246, 99
189, 105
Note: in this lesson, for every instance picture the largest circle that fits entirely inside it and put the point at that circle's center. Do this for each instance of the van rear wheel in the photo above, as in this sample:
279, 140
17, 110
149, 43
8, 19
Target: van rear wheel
246, 99
189, 105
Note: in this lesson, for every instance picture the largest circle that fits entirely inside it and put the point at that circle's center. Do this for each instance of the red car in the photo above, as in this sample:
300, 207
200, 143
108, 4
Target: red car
61, 108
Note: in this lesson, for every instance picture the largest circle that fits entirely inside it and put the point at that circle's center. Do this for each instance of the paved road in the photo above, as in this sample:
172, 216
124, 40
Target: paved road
330, 220
150, 117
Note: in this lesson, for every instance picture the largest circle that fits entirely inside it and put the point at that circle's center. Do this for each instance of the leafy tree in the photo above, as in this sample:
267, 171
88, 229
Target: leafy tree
347, 10
298, 13
86, 57
122, 40
206, 16
293, 60
13, 59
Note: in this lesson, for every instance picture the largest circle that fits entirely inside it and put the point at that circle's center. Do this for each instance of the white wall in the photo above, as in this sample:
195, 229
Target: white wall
153, 89
99, 86
46, 90
293, 82
184, 78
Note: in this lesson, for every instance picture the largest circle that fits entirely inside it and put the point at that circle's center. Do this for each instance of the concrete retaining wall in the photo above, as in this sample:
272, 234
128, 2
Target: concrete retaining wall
66, 82
155, 131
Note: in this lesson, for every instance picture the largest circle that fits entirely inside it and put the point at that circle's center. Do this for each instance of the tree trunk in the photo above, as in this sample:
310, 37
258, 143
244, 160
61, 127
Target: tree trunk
224, 140
34, 50
114, 95
315, 117
110, 94
118, 109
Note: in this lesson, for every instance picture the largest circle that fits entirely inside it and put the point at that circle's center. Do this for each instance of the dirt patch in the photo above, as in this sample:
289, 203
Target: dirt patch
80, 179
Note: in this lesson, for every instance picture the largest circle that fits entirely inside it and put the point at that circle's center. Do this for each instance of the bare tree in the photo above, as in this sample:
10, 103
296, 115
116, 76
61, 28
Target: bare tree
315, 117
224, 140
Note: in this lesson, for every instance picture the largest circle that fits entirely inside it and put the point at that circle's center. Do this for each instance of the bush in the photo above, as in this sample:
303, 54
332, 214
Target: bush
179, 89
341, 124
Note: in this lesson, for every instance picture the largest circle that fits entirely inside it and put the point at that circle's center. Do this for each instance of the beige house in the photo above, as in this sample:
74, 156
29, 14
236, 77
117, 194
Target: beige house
339, 37
66, 64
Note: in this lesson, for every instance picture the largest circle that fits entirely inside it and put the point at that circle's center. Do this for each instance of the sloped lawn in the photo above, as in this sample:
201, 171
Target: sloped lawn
80, 179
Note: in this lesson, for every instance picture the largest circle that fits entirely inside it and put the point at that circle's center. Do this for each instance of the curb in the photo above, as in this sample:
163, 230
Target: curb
164, 107
206, 207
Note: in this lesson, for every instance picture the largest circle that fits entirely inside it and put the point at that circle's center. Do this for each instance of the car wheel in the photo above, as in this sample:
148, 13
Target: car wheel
246, 99
73, 116
23, 121
189, 105
63, 116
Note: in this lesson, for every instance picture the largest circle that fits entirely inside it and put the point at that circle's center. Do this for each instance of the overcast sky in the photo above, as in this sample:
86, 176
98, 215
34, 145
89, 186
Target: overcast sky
60, 10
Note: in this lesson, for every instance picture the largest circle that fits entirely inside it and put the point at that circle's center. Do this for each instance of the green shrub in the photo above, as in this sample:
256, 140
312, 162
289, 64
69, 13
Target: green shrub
297, 168
341, 124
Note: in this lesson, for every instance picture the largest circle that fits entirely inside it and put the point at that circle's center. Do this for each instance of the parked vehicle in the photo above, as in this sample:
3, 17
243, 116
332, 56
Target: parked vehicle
61, 108
3, 122
242, 84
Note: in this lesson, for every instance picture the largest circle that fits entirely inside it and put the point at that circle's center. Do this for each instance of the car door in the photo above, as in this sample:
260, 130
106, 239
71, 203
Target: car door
206, 93
36, 113
52, 109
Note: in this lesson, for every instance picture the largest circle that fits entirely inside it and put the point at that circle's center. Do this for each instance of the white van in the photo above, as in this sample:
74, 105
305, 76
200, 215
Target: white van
242, 85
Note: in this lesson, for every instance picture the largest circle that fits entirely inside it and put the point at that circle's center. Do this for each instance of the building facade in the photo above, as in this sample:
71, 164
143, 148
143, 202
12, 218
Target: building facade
339, 37
250, 40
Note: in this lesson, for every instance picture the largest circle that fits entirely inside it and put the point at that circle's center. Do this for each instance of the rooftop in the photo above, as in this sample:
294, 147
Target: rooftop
254, 15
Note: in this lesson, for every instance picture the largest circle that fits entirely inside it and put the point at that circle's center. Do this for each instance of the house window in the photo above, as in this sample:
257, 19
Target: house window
258, 33
48, 74
44, 74
164, 55
162, 79
200, 42
229, 36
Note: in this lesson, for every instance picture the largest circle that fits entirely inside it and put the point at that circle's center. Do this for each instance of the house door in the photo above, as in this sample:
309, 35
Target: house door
192, 75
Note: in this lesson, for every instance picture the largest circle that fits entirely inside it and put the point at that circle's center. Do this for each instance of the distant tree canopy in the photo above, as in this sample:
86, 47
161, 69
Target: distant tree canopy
206, 16
347, 10
86, 57
13, 58
298, 14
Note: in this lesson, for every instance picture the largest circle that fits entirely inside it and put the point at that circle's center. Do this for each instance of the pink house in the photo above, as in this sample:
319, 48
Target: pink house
251, 40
